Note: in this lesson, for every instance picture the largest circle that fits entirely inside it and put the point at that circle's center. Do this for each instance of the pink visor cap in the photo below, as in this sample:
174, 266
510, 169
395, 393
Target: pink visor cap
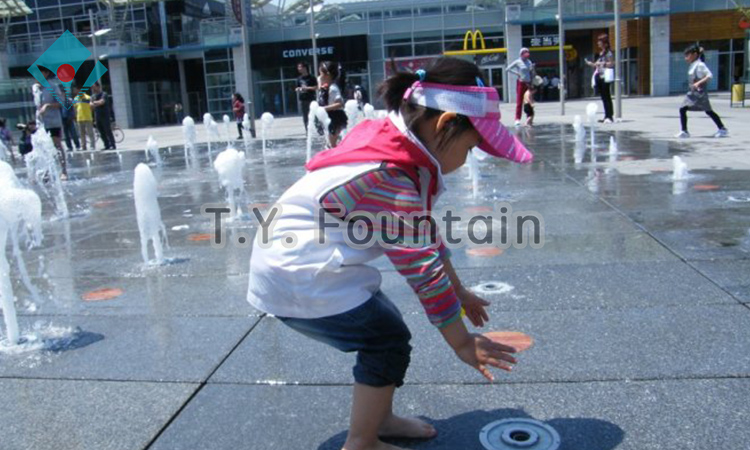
482, 106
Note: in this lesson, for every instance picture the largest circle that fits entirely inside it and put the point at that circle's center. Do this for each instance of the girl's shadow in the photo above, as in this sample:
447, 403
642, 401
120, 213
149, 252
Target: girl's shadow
462, 432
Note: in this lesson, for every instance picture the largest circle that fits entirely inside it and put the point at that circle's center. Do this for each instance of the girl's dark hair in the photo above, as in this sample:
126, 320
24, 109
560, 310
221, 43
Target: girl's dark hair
444, 70
238, 96
604, 38
336, 71
696, 49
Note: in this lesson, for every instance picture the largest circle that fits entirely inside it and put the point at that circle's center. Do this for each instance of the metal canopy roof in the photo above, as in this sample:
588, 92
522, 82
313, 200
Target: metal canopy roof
112, 3
13, 8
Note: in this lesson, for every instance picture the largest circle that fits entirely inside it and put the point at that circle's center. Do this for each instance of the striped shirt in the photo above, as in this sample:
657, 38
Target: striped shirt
389, 190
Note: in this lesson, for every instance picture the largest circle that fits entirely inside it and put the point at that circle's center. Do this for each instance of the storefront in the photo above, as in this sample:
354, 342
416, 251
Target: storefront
490, 54
275, 69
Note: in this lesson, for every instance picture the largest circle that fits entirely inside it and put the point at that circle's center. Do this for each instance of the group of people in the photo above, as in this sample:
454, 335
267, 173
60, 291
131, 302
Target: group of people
75, 122
328, 89
696, 100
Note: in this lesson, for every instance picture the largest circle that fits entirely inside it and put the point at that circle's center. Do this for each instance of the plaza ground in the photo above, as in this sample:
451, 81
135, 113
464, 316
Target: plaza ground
639, 303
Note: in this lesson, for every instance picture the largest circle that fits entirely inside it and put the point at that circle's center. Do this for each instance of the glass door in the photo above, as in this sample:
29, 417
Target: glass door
495, 76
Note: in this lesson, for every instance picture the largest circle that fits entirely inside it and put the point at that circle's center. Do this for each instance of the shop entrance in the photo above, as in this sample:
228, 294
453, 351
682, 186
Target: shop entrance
495, 76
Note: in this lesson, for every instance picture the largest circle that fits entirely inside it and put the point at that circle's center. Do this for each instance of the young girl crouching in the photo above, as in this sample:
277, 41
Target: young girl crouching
393, 167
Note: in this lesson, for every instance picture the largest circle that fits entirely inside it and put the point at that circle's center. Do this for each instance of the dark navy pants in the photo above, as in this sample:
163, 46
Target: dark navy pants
375, 330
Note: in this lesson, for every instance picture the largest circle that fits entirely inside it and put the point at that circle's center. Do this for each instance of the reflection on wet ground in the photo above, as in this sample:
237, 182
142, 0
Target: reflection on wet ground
635, 267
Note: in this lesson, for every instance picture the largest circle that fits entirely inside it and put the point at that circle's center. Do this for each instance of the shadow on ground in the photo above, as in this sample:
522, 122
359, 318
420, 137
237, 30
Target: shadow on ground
462, 432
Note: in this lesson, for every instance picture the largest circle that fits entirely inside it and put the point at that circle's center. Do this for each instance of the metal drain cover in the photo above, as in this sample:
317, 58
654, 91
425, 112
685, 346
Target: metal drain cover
493, 287
515, 434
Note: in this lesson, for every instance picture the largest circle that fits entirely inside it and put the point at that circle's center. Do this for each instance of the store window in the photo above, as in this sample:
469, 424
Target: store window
271, 98
430, 11
218, 69
430, 48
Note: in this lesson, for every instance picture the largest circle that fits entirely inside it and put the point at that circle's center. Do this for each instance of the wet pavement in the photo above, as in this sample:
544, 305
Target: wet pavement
638, 302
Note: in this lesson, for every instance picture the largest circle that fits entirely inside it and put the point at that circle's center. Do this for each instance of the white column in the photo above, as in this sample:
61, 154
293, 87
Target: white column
659, 34
118, 77
514, 43
240, 73
183, 88
4, 68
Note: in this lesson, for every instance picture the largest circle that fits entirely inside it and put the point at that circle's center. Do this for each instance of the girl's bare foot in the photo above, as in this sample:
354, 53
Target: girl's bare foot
406, 427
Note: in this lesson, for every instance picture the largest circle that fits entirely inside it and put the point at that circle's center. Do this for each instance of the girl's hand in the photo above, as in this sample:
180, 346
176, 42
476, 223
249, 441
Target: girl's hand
480, 352
473, 306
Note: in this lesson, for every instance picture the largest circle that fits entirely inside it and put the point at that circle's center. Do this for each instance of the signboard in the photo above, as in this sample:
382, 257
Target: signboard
237, 10
478, 46
541, 41
280, 54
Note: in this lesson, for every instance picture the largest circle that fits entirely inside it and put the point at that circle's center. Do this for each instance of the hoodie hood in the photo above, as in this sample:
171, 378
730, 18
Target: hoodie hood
382, 141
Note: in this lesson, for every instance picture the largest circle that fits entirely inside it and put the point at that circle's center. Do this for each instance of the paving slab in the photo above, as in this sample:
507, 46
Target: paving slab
588, 416
708, 244
101, 415
569, 286
667, 219
152, 294
564, 249
124, 260
179, 349
732, 275
578, 345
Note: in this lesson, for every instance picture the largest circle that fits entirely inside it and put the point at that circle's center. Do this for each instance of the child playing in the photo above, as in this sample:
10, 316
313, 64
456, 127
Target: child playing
331, 78
697, 97
392, 166
24, 144
528, 105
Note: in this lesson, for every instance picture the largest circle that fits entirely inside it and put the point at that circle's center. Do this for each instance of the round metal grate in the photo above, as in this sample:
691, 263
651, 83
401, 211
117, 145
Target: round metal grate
519, 434
493, 287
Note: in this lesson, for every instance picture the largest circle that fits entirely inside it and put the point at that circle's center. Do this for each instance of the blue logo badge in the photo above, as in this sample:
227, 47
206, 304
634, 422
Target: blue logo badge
63, 58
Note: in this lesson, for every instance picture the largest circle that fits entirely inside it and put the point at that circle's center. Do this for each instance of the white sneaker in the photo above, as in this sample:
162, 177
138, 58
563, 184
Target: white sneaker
518, 123
682, 135
607, 121
722, 133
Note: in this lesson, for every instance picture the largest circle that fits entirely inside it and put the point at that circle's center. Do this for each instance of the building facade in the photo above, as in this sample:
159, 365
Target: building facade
159, 54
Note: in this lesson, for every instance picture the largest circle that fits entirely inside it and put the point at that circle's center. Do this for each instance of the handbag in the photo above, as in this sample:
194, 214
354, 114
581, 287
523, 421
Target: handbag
609, 75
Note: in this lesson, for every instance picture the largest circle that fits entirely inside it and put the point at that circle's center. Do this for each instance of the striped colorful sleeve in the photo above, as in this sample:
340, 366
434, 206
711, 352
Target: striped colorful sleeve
391, 192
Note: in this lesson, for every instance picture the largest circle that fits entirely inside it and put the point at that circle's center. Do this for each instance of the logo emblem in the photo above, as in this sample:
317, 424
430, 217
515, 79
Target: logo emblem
474, 35
63, 58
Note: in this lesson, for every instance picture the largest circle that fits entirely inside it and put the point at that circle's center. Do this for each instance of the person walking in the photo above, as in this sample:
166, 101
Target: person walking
100, 103
84, 118
306, 87
697, 97
238, 108
604, 76
69, 128
524, 69
50, 114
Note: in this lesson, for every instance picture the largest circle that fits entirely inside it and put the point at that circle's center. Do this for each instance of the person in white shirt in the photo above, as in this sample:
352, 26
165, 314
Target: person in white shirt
331, 79
525, 70
697, 97
605, 61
